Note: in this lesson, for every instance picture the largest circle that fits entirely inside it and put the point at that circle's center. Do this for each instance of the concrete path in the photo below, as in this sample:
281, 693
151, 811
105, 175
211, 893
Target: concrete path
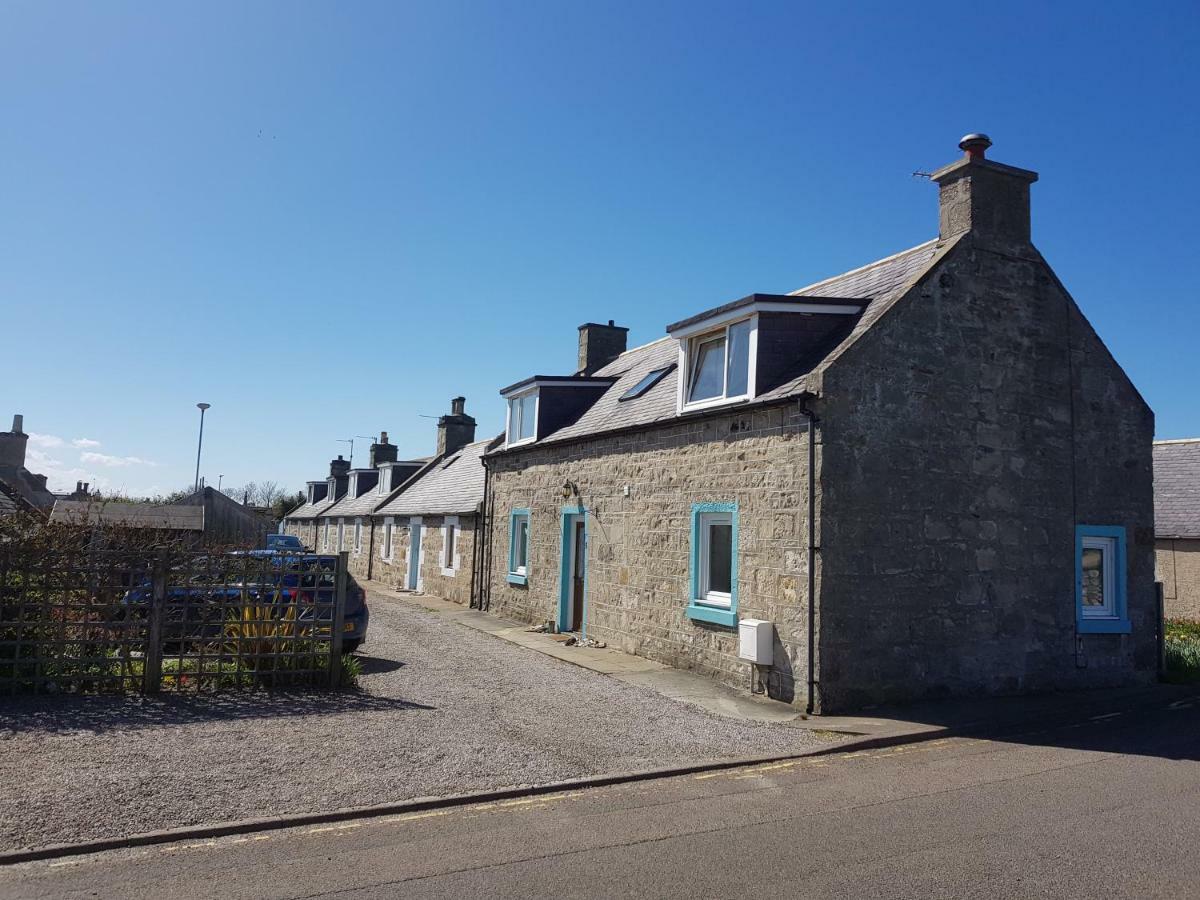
1104, 805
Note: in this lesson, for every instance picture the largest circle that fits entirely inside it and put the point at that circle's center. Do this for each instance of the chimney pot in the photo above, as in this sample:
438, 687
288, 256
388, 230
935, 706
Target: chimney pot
18, 424
383, 437
975, 145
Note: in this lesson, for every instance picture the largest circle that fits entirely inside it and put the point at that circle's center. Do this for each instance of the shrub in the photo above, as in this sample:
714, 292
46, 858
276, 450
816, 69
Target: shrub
1182, 646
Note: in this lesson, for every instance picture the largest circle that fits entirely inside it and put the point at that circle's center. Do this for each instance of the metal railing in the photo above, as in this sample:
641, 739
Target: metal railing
105, 621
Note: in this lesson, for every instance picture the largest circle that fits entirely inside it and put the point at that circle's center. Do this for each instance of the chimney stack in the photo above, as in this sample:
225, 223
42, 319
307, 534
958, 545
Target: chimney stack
382, 451
338, 467
599, 345
456, 430
12, 445
987, 199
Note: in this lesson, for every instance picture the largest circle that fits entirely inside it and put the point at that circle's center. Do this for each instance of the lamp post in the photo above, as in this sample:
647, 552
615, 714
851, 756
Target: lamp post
200, 443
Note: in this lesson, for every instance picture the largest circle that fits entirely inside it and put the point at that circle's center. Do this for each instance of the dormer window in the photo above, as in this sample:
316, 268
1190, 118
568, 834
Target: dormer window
718, 364
385, 479
522, 418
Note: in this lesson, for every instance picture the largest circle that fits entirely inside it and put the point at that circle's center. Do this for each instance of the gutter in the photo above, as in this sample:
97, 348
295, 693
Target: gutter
811, 418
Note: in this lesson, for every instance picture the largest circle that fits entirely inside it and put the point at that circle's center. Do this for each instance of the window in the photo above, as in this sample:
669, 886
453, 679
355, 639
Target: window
450, 536
325, 539
649, 380
341, 535
518, 546
385, 478
714, 567
522, 418
719, 364
1100, 578
386, 548
357, 536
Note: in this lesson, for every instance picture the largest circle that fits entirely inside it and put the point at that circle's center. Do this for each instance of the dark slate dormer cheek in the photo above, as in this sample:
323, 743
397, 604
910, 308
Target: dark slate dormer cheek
791, 344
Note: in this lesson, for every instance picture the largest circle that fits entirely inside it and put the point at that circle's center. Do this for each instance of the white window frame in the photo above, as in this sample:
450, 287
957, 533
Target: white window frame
325, 539
341, 535
385, 477
508, 417
451, 562
358, 536
416, 554
516, 518
387, 549
707, 596
688, 345
1108, 547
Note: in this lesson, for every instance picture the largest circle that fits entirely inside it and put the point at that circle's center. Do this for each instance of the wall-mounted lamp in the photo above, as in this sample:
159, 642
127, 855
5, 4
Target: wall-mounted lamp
570, 489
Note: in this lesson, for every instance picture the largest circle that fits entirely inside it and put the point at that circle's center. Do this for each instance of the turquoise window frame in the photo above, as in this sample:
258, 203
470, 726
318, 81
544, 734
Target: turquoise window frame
513, 576
1118, 623
570, 514
697, 609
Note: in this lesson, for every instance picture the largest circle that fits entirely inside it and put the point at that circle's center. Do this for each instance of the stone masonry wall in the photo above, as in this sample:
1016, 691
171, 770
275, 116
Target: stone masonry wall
638, 545
1177, 563
963, 438
394, 572
305, 529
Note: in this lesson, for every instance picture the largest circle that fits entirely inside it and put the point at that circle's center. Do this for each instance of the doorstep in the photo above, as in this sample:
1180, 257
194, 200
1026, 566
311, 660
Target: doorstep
678, 684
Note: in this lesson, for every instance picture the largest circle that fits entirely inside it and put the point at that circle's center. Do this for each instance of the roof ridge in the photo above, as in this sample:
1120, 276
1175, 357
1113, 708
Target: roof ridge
870, 265
1195, 440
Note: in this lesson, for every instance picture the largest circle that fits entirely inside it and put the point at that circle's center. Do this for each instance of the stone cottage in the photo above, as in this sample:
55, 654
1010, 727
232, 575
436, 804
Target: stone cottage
928, 476
1177, 525
425, 534
17, 479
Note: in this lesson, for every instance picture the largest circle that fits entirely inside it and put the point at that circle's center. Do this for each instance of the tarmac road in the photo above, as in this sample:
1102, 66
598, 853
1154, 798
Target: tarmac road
1106, 806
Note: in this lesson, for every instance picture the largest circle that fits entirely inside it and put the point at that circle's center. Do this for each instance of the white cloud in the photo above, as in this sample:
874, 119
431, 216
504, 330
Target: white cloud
44, 440
84, 443
103, 459
35, 458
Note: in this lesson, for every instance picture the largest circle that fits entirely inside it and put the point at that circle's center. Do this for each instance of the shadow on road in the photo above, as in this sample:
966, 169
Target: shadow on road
1122, 720
377, 665
62, 714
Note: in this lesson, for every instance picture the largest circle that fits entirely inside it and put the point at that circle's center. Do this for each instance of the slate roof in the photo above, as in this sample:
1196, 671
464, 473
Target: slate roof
1177, 488
355, 506
171, 517
311, 510
881, 282
449, 487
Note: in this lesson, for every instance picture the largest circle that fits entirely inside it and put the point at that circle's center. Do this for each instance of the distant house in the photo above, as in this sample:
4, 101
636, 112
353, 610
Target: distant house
206, 517
17, 479
302, 521
924, 477
12, 503
1177, 525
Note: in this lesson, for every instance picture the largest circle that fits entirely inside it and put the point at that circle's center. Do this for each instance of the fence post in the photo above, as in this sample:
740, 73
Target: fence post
152, 661
339, 621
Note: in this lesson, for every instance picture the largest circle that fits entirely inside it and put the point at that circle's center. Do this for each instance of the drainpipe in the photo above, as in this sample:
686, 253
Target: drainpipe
483, 538
812, 549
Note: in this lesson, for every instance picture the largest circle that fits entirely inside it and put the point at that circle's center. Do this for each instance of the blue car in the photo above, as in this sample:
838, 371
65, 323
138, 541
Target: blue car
285, 542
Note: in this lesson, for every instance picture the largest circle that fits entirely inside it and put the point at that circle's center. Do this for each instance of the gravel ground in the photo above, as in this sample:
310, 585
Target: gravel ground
442, 709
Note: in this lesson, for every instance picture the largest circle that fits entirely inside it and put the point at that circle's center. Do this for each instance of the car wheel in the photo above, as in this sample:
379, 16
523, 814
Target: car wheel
351, 645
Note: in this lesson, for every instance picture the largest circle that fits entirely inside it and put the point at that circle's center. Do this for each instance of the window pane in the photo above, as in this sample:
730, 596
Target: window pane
720, 557
522, 542
526, 412
738, 374
708, 370
1093, 579
450, 545
514, 419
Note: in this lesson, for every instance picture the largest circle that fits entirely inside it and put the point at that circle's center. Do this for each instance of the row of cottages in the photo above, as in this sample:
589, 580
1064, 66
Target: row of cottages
925, 477
928, 475
410, 524
1177, 525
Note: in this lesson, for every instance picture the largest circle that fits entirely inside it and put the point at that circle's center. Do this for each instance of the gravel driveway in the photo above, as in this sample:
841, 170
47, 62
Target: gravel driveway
443, 709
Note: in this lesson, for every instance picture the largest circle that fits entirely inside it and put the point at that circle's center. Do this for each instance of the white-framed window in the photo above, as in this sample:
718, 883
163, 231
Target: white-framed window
357, 536
713, 564
325, 537
450, 538
718, 364
518, 546
385, 479
385, 548
715, 586
341, 535
522, 418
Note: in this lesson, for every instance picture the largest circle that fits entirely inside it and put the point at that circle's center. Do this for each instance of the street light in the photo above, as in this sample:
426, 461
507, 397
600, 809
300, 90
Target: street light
200, 443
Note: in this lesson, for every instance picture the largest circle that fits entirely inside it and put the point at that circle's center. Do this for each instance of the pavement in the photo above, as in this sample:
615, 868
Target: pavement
1083, 804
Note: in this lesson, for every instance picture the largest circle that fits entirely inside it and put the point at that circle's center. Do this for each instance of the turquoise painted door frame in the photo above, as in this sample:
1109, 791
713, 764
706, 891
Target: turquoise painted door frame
570, 516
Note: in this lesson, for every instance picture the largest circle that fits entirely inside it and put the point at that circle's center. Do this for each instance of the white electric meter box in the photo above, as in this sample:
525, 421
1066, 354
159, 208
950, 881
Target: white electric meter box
756, 637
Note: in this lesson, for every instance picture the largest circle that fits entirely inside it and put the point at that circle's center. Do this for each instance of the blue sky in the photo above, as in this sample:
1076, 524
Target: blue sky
328, 219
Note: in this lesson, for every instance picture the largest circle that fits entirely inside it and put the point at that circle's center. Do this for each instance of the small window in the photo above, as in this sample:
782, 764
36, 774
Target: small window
649, 380
386, 550
522, 418
325, 539
518, 546
1100, 577
450, 535
714, 563
719, 364
341, 535
385, 479
358, 536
